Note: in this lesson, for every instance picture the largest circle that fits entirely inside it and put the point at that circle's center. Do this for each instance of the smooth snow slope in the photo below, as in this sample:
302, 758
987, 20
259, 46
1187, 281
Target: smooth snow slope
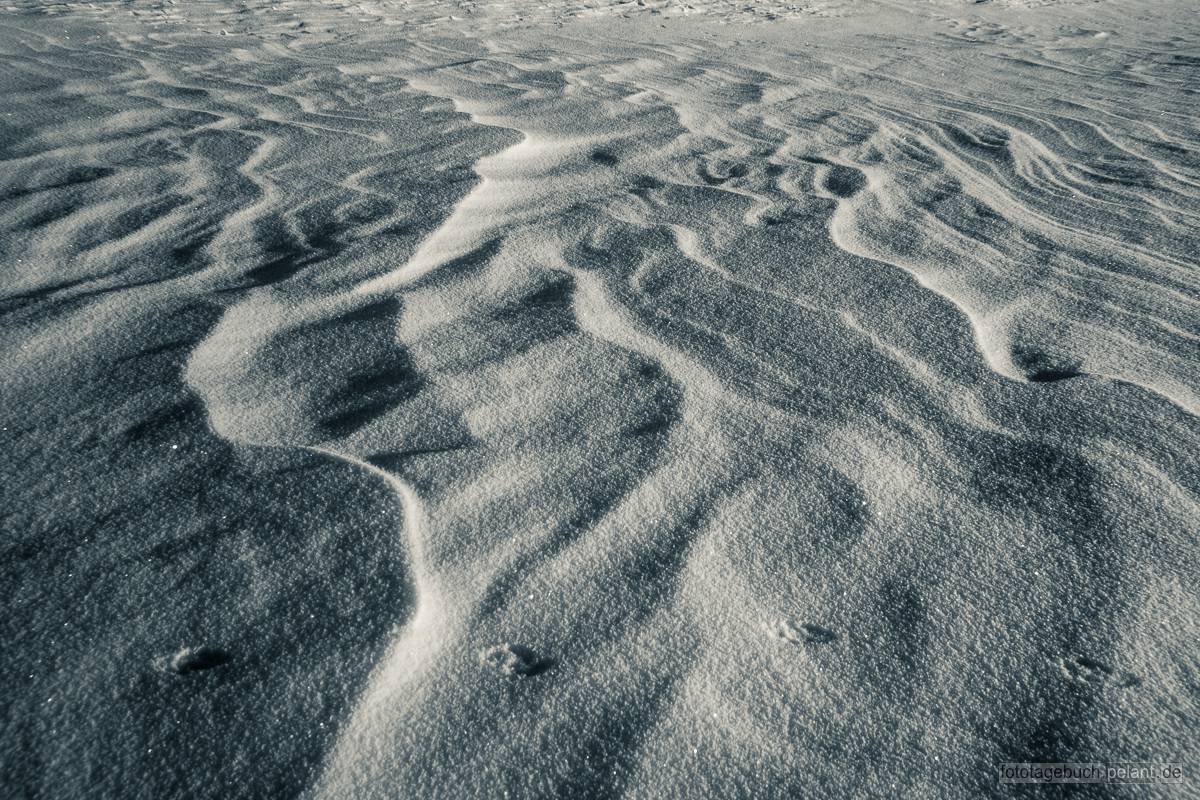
593, 399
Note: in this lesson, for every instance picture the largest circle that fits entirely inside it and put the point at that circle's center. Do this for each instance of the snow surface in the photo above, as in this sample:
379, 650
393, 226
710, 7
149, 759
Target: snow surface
597, 399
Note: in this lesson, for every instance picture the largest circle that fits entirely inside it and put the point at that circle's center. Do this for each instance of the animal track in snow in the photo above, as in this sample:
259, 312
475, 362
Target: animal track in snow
1087, 671
513, 660
803, 633
194, 659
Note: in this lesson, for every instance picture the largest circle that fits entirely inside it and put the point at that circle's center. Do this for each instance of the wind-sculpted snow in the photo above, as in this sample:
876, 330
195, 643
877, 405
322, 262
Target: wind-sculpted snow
541, 403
